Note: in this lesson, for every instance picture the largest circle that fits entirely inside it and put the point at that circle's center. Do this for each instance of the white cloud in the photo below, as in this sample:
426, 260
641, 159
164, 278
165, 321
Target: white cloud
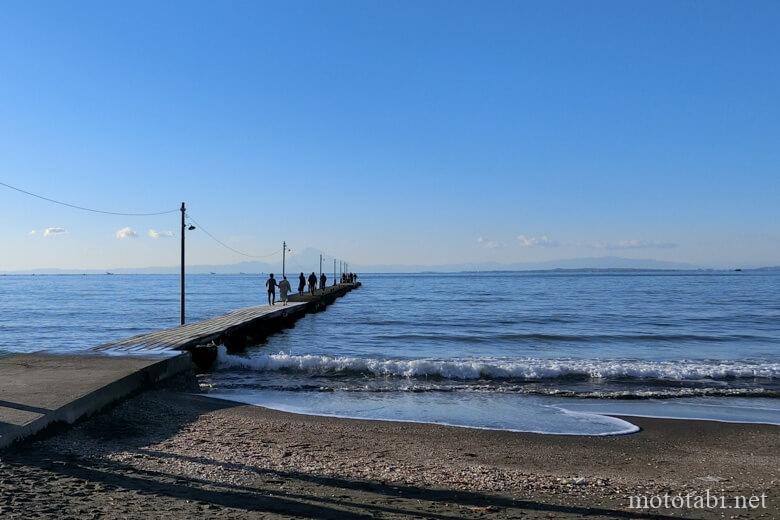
489, 244
48, 232
126, 232
160, 234
32, 232
541, 241
634, 244
544, 241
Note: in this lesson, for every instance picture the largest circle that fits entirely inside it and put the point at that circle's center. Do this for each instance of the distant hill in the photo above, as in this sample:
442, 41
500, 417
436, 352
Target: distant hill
308, 260
773, 268
606, 262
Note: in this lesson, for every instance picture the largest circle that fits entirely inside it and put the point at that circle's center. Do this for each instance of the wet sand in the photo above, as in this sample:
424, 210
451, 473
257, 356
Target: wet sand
171, 454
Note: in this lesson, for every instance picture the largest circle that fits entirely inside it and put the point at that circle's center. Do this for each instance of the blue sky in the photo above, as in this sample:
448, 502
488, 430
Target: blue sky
392, 132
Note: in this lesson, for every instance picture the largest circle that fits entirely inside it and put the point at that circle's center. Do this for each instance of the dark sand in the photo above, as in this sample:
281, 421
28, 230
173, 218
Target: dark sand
169, 454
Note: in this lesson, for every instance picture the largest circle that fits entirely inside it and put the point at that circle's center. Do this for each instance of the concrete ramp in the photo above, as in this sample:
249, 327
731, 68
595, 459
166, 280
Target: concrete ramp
37, 390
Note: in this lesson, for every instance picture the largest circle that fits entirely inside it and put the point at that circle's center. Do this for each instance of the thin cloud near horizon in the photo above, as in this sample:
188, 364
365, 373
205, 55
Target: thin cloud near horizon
489, 244
545, 241
52, 231
541, 241
126, 232
635, 244
153, 233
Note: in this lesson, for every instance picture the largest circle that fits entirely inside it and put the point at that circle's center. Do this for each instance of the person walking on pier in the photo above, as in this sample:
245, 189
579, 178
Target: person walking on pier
301, 284
323, 280
284, 288
271, 284
312, 282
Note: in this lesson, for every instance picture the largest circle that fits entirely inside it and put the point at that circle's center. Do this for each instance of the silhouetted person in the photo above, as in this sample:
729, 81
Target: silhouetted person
323, 281
271, 284
312, 282
284, 288
301, 284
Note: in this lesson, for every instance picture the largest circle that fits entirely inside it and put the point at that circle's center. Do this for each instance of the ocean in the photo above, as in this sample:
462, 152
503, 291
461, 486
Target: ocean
550, 352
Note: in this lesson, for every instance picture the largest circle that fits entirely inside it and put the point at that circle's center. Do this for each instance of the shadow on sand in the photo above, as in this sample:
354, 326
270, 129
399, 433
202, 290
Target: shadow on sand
287, 493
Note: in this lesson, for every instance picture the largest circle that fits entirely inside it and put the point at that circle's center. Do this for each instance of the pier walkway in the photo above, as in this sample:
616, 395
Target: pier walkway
235, 330
201, 332
41, 389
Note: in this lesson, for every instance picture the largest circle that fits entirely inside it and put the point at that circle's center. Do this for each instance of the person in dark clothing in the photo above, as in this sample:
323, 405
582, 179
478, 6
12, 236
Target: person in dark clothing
323, 281
312, 282
271, 284
301, 284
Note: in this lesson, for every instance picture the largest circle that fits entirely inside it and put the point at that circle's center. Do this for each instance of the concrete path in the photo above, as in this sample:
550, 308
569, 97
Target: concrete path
37, 390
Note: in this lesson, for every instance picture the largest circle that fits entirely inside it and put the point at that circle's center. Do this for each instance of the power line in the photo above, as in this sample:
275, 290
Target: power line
218, 241
292, 257
87, 209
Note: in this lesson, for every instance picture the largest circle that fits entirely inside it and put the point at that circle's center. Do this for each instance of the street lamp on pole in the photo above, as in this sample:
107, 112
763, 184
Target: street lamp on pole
184, 228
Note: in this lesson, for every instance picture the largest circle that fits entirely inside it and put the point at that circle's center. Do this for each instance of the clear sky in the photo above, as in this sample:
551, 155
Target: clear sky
392, 132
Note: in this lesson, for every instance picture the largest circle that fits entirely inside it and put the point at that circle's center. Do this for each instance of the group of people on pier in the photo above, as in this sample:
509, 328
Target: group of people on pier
312, 281
348, 278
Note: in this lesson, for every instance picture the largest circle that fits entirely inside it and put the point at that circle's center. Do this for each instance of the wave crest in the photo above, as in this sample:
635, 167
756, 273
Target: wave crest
529, 369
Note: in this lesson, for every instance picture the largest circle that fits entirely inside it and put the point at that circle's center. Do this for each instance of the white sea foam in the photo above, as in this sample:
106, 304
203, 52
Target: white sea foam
528, 369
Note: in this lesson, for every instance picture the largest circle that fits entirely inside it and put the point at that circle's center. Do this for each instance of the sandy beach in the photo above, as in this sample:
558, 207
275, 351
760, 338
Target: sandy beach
174, 454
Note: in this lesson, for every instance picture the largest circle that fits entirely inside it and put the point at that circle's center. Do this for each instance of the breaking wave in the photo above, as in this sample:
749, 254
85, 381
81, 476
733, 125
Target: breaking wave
527, 369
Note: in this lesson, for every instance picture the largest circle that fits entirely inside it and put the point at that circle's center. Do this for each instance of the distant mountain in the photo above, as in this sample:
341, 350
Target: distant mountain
606, 262
308, 260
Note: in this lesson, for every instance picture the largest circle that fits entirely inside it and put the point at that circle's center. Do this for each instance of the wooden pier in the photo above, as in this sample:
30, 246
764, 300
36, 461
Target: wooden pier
201, 332
236, 330
39, 390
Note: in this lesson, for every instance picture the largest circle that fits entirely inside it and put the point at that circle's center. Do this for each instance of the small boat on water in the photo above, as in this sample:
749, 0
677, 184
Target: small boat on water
109, 273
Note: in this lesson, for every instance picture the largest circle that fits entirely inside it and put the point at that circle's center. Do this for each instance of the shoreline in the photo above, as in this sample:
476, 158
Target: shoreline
447, 425
170, 452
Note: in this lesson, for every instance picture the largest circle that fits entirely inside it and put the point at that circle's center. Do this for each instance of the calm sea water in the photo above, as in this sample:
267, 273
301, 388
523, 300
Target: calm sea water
549, 352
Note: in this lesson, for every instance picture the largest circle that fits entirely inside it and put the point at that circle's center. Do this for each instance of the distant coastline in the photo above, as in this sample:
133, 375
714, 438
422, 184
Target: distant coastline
205, 271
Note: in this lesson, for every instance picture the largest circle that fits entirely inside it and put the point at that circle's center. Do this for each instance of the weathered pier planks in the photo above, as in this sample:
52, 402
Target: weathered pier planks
202, 332
235, 329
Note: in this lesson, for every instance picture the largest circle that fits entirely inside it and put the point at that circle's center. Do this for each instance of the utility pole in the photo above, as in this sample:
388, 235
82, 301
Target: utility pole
183, 209
320, 265
284, 256
334, 271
